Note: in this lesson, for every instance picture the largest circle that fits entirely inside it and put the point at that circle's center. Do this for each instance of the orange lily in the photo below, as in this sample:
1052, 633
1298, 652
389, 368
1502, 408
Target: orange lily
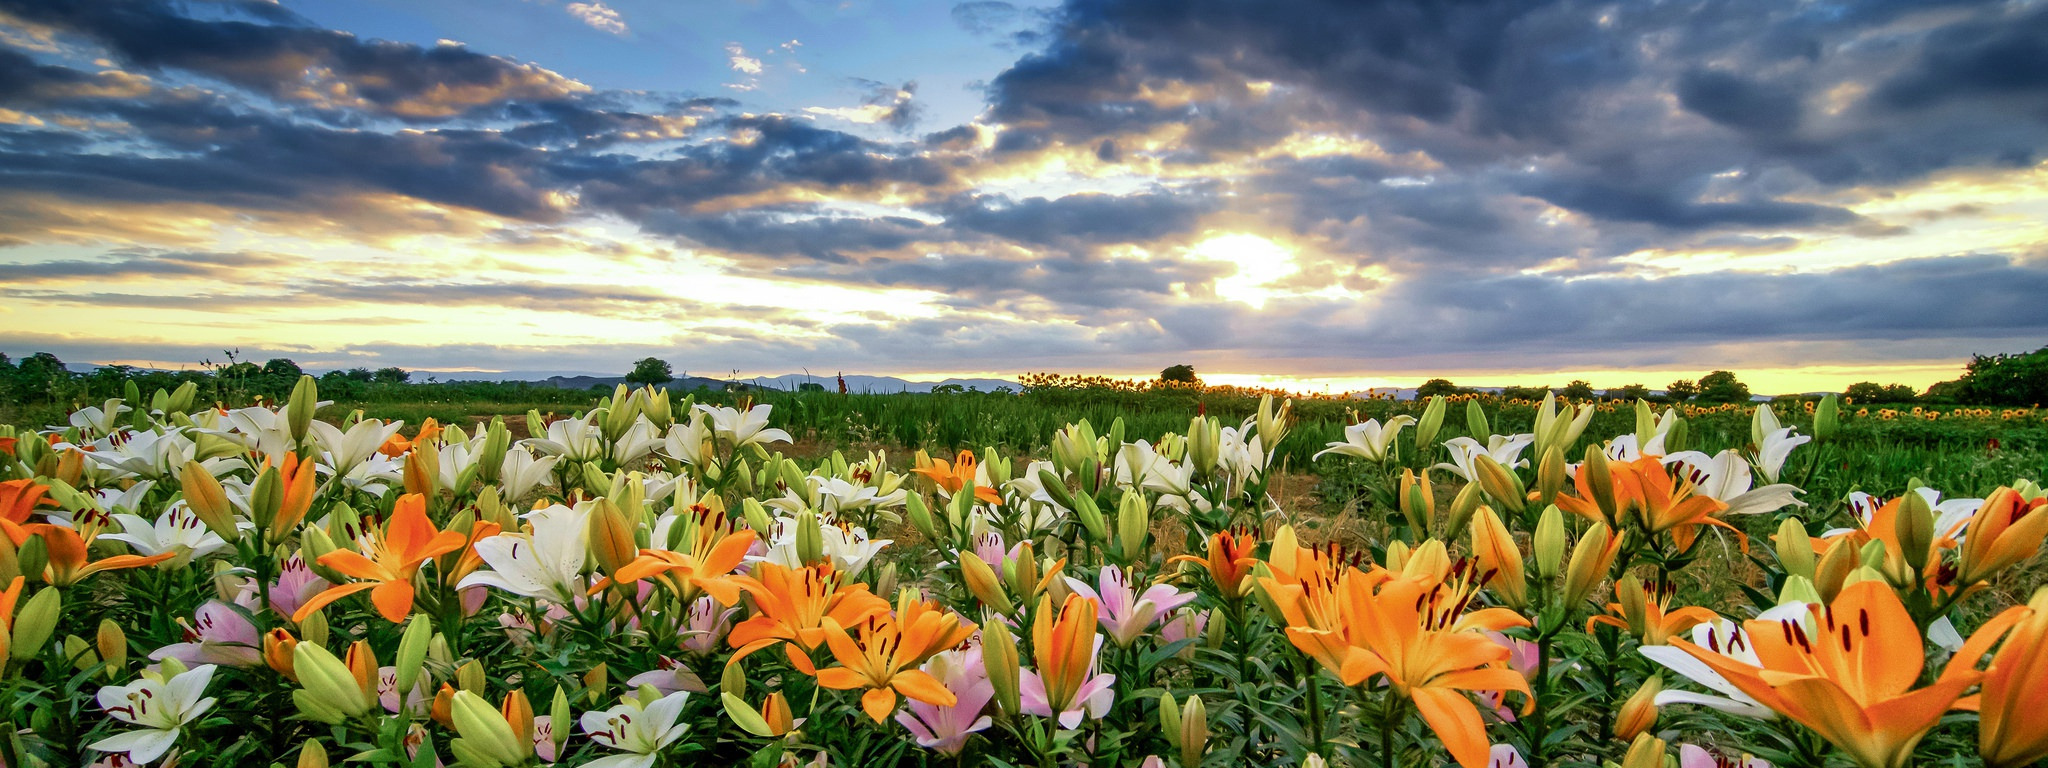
297, 477
1642, 610
7, 445
2005, 531
1418, 636
396, 445
2012, 721
1846, 671
1063, 685
70, 562
884, 660
468, 560
407, 541
19, 498
714, 551
792, 605
956, 474
1658, 501
1229, 560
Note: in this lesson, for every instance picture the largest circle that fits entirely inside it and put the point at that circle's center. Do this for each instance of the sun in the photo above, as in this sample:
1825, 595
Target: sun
1260, 263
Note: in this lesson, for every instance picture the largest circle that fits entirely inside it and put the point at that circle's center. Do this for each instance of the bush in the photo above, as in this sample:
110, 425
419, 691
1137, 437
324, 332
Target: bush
2020, 379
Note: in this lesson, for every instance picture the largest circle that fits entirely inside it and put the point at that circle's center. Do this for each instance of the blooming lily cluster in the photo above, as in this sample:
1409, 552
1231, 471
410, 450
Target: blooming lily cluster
652, 581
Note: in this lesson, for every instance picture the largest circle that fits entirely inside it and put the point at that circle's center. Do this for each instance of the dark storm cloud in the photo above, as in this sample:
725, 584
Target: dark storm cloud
803, 231
1080, 285
287, 59
1088, 218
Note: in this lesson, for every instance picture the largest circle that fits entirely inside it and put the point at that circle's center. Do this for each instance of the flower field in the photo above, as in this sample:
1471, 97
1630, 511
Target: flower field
1038, 580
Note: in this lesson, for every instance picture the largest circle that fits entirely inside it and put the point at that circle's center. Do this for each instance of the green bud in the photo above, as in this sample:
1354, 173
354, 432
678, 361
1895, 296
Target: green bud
412, 654
1548, 543
33, 558
485, 732
810, 539
1133, 525
1432, 420
1475, 421
36, 622
1827, 417
1914, 526
1794, 548
331, 694
299, 414
1091, 518
208, 501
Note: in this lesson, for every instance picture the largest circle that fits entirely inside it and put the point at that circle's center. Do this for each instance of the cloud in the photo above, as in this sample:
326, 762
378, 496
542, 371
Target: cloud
598, 16
893, 106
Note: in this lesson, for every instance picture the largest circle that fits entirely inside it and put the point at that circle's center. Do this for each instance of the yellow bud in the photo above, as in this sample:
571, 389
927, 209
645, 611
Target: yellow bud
113, 645
1841, 557
1591, 558
1639, 712
208, 501
981, 581
312, 754
999, 654
1645, 752
611, 537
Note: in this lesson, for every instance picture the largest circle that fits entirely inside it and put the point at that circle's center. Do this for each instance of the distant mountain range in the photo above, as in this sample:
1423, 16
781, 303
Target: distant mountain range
791, 381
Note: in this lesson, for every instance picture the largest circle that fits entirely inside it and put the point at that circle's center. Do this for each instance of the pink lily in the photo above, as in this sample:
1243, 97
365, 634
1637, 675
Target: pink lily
1126, 614
219, 635
947, 729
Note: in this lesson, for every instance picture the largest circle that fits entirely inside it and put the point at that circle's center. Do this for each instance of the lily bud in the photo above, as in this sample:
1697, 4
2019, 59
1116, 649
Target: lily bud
208, 501
278, 645
32, 559
1204, 443
485, 738
1827, 417
1591, 558
1799, 589
81, 655
1431, 421
611, 537
362, 664
1841, 557
1133, 525
1194, 732
1497, 554
35, 624
1645, 752
1914, 526
597, 682
1550, 476
981, 582
182, 397
1397, 555
312, 755
1548, 543
299, 413
265, 496
443, 709
1091, 518
1600, 480
331, 694
518, 713
1639, 712
112, 643
885, 581
314, 543
490, 461
1634, 603
558, 712
999, 654
412, 654
757, 517
1475, 421
810, 540
1418, 500
1500, 485
470, 677
423, 468
1462, 506
920, 517
1169, 717
745, 716
314, 628
1795, 549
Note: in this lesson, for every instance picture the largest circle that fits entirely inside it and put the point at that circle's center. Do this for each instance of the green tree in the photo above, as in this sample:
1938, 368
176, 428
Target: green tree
1873, 392
650, 371
41, 376
1578, 390
1629, 392
2019, 379
391, 375
1682, 390
1722, 387
1435, 387
1182, 373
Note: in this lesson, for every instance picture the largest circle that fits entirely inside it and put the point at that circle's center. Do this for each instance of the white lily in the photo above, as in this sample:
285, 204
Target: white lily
161, 706
689, 442
261, 430
100, 420
577, 440
1651, 441
151, 455
640, 726
1368, 439
344, 450
522, 474
1505, 449
1728, 639
371, 475
177, 528
1242, 459
1951, 517
847, 545
1726, 477
545, 562
1772, 450
743, 428
638, 441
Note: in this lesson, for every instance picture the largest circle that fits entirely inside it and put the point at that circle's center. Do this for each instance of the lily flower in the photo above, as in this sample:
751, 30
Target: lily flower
743, 429
2012, 723
1645, 492
1850, 679
1503, 449
342, 451
69, 561
848, 545
1728, 639
705, 625
545, 562
1641, 610
885, 657
295, 584
714, 550
98, 420
689, 442
218, 634
1127, 613
1725, 477
395, 554
521, 474
1228, 559
956, 474
1694, 756
161, 705
947, 728
1064, 684
21, 498
1368, 439
177, 531
1777, 444
639, 725
792, 605
573, 440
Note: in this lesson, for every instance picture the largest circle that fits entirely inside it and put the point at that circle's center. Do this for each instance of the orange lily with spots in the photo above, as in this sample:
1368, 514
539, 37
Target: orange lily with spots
1847, 672
1419, 636
1642, 610
395, 555
792, 605
2006, 530
20, 498
1229, 560
2012, 707
70, 561
714, 550
396, 445
956, 474
1658, 502
884, 659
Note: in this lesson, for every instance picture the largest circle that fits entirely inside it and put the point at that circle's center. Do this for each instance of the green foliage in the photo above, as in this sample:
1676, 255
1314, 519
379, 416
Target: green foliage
1183, 373
2017, 379
1682, 390
1628, 393
649, 371
1577, 390
1722, 387
1867, 392
1435, 387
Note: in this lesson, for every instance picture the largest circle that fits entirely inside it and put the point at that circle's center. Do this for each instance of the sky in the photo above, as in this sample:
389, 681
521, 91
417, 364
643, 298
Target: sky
1307, 193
